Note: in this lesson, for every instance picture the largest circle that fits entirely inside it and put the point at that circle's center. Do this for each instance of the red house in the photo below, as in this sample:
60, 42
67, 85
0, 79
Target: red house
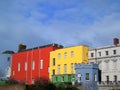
31, 64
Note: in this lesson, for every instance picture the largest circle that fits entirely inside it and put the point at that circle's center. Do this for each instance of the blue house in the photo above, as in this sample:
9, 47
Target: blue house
5, 65
87, 76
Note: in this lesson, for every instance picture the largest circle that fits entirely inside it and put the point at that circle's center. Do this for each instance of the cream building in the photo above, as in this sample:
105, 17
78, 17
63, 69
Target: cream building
108, 58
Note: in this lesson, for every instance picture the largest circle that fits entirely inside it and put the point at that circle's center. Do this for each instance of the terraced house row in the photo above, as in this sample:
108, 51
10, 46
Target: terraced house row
63, 64
50, 62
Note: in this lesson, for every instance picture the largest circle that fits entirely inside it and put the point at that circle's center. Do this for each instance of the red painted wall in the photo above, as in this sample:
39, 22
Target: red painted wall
35, 55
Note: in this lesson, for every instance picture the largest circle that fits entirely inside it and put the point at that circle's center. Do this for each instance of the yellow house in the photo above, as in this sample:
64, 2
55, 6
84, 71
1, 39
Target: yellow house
62, 61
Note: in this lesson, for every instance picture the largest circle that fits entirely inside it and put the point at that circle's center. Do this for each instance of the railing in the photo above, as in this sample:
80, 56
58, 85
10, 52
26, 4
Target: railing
110, 83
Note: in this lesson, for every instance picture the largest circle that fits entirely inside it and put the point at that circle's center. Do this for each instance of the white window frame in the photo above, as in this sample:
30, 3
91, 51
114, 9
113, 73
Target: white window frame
58, 69
95, 77
26, 66
72, 53
18, 66
59, 55
33, 65
65, 55
79, 77
41, 64
65, 68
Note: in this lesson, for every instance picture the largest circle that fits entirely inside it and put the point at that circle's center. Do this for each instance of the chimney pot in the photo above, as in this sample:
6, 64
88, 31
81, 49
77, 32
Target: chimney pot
21, 47
116, 41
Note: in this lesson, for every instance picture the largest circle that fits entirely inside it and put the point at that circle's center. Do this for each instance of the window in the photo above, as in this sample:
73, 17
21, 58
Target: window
41, 64
65, 55
25, 66
8, 71
115, 78
33, 81
53, 61
114, 64
18, 66
107, 65
107, 78
95, 77
87, 54
65, 69
73, 79
33, 65
56, 79
58, 69
53, 72
79, 77
72, 68
62, 78
48, 69
72, 53
87, 76
13, 73
59, 56
8, 59
114, 51
99, 53
92, 54
106, 52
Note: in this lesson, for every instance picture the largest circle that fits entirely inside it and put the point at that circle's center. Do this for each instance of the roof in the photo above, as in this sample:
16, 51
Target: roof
105, 47
44, 46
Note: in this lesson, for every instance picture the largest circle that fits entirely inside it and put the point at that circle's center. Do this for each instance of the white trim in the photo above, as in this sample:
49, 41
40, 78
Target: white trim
41, 64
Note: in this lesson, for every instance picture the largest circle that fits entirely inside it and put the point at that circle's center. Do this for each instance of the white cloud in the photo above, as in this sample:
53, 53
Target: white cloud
68, 23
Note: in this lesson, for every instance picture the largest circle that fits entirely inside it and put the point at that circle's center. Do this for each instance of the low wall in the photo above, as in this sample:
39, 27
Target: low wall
12, 87
109, 86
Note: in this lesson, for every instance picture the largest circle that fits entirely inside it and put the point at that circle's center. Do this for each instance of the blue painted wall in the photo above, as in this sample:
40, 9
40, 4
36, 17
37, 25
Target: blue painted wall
5, 64
92, 69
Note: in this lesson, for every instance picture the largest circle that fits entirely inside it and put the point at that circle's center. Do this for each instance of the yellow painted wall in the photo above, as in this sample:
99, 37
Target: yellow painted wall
80, 55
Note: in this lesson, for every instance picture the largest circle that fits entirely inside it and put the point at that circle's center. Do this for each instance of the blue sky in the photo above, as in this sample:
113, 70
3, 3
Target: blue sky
68, 22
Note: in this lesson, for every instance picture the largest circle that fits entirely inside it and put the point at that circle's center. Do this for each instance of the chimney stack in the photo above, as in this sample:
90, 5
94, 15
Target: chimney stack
21, 47
116, 41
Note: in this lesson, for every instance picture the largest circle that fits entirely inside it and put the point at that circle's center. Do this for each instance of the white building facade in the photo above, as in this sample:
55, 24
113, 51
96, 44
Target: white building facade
108, 59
